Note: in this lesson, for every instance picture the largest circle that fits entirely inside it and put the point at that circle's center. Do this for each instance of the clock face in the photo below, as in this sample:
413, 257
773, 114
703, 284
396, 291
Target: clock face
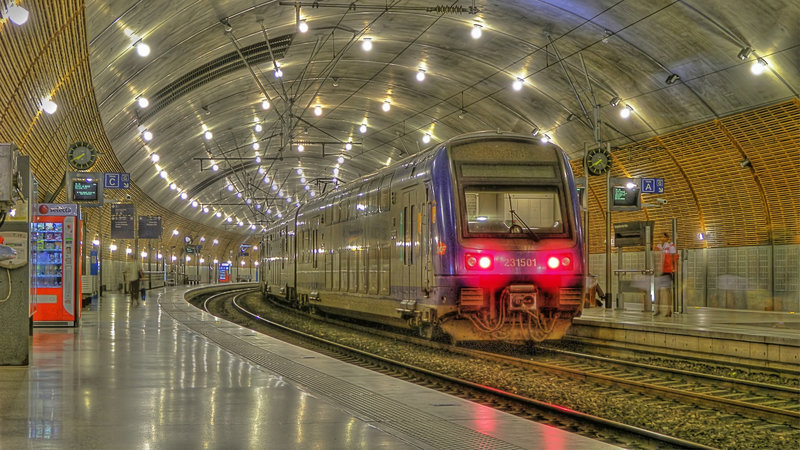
81, 156
598, 161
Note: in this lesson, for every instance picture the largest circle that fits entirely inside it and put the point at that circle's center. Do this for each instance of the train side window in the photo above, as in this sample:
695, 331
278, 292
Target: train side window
385, 192
374, 188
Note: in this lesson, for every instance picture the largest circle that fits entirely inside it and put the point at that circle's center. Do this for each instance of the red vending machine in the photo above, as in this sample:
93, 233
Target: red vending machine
56, 256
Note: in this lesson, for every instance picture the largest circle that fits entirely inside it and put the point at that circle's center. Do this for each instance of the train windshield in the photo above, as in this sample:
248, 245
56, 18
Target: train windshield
503, 209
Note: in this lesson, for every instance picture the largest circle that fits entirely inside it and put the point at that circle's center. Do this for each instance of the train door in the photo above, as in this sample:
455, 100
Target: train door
408, 235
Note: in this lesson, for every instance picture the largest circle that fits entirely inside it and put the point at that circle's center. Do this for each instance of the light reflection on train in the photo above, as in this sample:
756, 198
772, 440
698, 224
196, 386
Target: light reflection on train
477, 238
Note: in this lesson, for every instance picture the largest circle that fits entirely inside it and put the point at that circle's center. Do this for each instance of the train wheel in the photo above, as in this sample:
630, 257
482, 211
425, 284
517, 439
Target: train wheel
426, 331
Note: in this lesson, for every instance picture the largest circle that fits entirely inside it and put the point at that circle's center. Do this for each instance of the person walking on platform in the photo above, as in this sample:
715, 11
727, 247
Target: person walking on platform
133, 273
670, 257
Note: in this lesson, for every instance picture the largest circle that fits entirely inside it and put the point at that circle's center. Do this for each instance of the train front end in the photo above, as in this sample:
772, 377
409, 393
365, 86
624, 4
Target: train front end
515, 263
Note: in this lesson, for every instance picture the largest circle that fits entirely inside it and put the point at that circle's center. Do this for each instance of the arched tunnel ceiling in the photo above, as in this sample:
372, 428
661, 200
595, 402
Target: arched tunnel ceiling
196, 75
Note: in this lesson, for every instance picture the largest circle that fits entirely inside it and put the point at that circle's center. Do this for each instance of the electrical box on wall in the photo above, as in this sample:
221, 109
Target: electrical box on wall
9, 177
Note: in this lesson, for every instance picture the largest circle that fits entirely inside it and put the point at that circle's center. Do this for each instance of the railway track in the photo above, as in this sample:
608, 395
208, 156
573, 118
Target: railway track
738, 403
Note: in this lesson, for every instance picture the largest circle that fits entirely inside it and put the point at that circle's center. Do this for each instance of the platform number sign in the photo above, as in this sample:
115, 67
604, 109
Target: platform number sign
652, 185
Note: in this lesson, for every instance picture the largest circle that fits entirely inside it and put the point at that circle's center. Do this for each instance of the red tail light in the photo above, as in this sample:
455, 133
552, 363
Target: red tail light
478, 261
560, 262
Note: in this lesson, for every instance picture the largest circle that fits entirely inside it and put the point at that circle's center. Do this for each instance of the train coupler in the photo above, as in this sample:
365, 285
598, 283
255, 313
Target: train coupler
521, 297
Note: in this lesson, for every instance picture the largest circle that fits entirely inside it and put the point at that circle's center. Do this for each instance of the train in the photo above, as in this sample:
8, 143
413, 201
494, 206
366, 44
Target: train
477, 238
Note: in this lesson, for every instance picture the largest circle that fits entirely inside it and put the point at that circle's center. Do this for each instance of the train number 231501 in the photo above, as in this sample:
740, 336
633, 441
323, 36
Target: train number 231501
520, 262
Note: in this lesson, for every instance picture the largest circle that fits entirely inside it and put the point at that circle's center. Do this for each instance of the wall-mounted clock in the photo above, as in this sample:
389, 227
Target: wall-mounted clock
82, 156
598, 161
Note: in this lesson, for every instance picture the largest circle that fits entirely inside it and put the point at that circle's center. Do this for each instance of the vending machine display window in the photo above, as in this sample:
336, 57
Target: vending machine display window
48, 239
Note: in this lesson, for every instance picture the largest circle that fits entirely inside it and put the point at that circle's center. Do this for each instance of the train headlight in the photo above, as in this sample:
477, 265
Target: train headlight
475, 261
561, 262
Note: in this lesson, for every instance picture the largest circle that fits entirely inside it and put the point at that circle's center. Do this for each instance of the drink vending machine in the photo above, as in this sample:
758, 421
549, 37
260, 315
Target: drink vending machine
224, 273
56, 256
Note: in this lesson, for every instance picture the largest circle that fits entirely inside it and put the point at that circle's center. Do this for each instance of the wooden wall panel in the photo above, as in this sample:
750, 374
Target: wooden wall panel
706, 186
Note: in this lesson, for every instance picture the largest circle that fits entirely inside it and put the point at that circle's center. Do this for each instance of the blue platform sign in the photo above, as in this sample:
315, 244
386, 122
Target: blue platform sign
652, 185
116, 180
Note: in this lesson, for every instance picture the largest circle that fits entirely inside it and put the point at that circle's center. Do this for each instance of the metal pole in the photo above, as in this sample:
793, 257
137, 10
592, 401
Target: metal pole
676, 306
608, 239
648, 267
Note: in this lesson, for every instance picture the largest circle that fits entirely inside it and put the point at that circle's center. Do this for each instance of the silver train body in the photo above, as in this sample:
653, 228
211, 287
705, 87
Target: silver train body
478, 238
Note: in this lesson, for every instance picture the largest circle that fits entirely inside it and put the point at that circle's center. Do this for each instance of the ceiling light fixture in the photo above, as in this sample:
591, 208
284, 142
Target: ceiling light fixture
477, 31
258, 128
363, 128
420, 74
614, 101
141, 48
175, 232
230, 188
278, 72
302, 26
147, 135
366, 44
218, 214
215, 167
265, 104
266, 179
143, 102
163, 174
626, 111
194, 203
387, 105
173, 186
208, 135
256, 146
49, 106
155, 158
517, 85
300, 148
17, 14
318, 110
348, 146
183, 195
759, 66
426, 138
258, 160
673, 78
545, 139
744, 53
535, 131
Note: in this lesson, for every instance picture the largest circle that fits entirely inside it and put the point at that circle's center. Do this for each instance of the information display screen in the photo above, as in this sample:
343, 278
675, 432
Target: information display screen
625, 196
84, 191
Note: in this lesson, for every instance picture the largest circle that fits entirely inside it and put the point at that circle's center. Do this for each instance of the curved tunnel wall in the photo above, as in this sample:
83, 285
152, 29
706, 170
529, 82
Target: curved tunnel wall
49, 56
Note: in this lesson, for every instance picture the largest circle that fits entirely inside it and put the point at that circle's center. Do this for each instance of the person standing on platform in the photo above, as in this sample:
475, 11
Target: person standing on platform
670, 257
133, 273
